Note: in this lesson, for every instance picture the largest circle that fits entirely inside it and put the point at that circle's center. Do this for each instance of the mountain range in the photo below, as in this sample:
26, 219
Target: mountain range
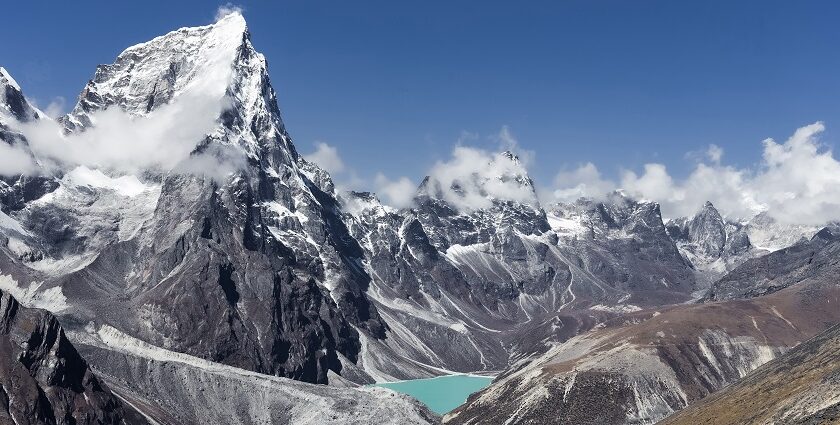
228, 280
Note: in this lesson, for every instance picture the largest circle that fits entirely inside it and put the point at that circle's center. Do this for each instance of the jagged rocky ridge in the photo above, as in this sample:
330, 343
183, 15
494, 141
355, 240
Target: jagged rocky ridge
44, 380
477, 289
715, 245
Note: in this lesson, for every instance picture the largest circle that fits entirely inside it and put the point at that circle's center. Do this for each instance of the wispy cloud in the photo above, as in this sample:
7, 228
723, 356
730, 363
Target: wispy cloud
326, 157
119, 141
227, 9
15, 161
397, 193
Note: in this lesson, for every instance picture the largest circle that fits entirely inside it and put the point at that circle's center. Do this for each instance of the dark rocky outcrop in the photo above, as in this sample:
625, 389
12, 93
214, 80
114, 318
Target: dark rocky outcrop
44, 380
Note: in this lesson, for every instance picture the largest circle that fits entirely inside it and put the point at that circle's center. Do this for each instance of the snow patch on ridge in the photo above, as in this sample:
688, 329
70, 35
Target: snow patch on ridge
619, 308
128, 185
7, 222
7, 79
50, 299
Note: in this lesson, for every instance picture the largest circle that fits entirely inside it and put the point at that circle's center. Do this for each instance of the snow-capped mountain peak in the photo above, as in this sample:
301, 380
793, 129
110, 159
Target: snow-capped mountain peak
194, 61
7, 80
12, 101
708, 229
467, 186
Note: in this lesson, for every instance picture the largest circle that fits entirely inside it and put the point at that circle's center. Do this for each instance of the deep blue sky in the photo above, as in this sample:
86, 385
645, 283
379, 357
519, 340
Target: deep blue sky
393, 84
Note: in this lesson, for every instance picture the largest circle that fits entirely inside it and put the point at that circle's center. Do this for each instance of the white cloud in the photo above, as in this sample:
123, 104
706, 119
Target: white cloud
468, 180
508, 142
714, 153
56, 107
130, 144
15, 161
473, 176
326, 157
397, 193
584, 181
227, 9
798, 182
167, 138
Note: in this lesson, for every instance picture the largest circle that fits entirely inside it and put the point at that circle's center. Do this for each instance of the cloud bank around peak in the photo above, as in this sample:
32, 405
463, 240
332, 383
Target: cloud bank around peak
468, 179
797, 181
119, 141
471, 177
167, 138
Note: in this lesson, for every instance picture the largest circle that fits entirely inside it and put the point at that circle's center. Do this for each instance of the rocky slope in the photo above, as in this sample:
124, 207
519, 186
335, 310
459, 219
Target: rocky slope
780, 269
44, 380
625, 244
175, 388
801, 387
655, 362
712, 244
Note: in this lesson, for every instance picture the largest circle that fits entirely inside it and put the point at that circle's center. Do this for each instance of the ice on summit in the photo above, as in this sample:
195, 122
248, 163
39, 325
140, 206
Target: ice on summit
7, 79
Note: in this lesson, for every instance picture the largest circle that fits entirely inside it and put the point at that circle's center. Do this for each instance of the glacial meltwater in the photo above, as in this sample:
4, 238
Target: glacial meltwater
441, 394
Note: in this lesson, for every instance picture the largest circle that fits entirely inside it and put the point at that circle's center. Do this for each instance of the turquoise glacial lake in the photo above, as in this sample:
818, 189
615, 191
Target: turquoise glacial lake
442, 394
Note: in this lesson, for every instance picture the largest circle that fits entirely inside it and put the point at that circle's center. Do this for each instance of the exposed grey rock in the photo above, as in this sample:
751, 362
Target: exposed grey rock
712, 244
780, 269
44, 380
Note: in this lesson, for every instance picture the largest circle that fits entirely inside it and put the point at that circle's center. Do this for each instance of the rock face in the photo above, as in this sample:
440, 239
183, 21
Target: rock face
780, 269
800, 387
44, 380
712, 244
715, 245
625, 244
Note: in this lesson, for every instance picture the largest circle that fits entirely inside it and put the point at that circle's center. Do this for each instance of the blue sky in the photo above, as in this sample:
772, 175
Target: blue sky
394, 84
